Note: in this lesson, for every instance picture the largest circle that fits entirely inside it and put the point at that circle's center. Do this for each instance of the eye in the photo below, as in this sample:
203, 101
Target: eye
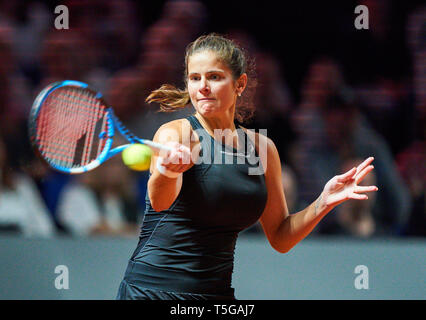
194, 78
215, 77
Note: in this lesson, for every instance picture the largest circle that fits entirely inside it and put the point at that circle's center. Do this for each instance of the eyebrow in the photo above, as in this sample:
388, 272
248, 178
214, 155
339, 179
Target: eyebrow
210, 71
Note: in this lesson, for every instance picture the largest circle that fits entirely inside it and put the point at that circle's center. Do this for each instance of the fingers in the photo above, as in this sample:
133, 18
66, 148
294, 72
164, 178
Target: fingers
357, 196
361, 175
347, 176
166, 153
357, 172
362, 189
178, 159
364, 164
179, 154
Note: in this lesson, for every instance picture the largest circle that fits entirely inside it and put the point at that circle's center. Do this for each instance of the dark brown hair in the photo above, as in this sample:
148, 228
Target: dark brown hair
171, 98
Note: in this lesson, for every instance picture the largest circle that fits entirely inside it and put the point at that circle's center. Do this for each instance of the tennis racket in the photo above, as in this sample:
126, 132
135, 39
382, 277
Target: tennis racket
72, 128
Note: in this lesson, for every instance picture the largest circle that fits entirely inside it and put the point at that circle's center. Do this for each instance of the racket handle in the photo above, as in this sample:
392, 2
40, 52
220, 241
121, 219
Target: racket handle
156, 147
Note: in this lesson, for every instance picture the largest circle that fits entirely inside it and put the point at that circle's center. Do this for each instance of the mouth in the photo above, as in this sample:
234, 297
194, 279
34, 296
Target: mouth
206, 99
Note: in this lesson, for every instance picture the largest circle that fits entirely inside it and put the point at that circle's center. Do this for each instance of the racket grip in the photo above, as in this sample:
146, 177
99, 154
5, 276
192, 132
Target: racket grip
164, 171
155, 147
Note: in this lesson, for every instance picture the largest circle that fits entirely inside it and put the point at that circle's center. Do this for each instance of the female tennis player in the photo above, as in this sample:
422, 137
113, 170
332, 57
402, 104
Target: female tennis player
195, 209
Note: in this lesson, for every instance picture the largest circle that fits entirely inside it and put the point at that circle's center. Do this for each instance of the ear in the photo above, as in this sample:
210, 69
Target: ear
241, 84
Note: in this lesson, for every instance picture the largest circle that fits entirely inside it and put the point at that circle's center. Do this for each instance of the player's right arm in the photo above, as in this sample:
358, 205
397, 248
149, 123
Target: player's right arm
164, 189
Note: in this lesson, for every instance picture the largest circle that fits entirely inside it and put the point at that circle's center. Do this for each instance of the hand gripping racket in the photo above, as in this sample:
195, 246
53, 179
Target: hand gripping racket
72, 128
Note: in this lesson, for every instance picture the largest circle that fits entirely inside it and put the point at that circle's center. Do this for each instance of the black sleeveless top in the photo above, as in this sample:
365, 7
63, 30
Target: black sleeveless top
190, 246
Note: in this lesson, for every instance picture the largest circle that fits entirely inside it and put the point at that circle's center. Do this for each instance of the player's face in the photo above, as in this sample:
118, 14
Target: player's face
211, 86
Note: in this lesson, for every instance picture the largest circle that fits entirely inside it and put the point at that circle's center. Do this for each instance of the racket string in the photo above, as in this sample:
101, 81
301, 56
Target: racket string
68, 125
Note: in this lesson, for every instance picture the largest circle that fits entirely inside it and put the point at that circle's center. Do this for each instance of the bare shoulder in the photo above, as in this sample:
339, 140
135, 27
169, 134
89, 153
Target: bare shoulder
265, 148
259, 139
175, 124
178, 130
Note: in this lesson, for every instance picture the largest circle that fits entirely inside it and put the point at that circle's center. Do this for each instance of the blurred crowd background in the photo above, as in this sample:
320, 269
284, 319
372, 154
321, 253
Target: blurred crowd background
328, 94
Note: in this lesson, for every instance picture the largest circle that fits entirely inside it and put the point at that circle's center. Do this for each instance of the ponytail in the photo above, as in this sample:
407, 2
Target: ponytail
169, 98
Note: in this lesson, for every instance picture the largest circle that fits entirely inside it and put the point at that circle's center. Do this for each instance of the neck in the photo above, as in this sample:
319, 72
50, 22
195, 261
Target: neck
212, 123
225, 121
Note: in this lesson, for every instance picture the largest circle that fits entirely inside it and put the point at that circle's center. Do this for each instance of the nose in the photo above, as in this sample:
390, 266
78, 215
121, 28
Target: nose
204, 86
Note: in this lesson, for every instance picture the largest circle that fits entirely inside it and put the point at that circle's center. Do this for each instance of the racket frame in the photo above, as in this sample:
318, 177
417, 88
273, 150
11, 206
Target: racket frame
112, 123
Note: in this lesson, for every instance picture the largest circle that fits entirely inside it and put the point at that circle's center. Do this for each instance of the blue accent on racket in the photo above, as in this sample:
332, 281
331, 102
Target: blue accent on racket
72, 128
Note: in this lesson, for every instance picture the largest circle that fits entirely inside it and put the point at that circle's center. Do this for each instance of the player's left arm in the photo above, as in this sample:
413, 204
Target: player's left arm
285, 230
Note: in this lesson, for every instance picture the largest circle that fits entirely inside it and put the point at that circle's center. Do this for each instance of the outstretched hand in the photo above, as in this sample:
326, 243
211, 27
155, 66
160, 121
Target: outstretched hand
345, 186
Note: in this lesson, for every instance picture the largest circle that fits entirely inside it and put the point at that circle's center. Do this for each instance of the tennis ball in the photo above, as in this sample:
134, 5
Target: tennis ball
137, 157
